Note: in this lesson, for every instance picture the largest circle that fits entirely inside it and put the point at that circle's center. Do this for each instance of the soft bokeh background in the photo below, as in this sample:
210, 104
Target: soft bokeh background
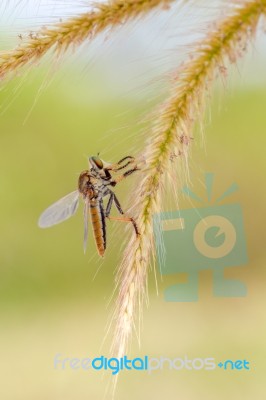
56, 300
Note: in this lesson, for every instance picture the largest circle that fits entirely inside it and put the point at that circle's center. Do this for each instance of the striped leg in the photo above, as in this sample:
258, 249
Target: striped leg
124, 217
119, 165
119, 178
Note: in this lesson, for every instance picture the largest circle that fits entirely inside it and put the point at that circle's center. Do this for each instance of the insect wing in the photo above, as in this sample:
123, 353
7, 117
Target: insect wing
60, 211
86, 207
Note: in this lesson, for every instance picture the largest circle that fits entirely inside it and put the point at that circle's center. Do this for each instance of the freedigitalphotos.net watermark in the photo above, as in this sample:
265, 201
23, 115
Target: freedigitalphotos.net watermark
148, 364
209, 237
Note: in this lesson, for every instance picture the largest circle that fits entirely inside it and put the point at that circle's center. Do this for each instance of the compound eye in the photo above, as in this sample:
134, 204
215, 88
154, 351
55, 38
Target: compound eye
98, 162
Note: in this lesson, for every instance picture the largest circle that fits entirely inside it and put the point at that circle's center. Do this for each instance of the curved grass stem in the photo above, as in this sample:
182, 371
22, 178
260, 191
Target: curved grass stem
75, 31
171, 134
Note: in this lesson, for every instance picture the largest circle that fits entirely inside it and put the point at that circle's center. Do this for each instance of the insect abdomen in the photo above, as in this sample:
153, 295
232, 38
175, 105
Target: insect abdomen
98, 224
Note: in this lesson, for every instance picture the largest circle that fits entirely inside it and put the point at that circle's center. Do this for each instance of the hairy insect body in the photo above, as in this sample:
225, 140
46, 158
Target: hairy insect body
98, 224
93, 192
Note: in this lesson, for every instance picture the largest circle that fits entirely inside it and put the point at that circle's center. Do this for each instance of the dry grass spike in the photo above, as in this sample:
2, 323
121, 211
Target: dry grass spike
74, 31
170, 137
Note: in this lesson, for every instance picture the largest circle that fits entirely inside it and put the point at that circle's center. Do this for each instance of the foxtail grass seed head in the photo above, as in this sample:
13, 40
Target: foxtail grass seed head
75, 31
168, 141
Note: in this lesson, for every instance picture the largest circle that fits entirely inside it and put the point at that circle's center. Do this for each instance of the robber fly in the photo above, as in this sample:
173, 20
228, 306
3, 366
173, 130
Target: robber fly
93, 185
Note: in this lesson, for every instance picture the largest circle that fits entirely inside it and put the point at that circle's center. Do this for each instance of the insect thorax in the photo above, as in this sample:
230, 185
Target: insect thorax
86, 183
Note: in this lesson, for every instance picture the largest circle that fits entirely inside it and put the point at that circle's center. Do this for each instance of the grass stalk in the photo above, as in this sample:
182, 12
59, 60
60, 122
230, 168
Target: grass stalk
75, 31
225, 41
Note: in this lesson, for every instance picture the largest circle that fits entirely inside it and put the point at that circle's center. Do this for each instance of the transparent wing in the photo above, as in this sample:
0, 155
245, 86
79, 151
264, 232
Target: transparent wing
60, 211
86, 207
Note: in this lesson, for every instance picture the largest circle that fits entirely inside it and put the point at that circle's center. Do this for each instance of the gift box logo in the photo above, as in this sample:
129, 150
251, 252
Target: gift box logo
201, 238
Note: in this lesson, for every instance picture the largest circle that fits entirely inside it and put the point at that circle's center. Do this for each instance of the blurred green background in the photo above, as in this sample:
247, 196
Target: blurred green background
54, 299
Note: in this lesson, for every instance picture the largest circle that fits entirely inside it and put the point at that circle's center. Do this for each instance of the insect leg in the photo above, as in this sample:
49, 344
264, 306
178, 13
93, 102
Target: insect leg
130, 159
118, 205
124, 218
109, 205
118, 179
118, 166
126, 158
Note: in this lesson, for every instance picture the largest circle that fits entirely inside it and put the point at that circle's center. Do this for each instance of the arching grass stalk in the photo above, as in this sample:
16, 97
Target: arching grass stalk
225, 40
75, 31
